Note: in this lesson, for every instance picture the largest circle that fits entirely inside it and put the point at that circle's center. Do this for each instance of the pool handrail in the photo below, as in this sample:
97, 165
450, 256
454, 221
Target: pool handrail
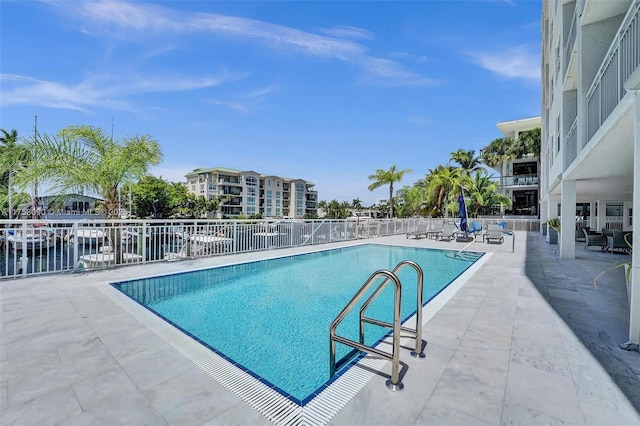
394, 382
417, 332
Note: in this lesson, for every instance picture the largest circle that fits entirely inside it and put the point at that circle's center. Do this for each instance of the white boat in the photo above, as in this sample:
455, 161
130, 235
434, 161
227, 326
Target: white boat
87, 236
33, 239
102, 260
211, 244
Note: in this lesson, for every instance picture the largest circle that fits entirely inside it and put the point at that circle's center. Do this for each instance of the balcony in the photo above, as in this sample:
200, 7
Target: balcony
230, 181
571, 145
519, 180
623, 58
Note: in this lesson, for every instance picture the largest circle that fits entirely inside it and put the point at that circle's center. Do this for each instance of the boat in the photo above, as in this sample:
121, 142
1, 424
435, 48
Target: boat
32, 239
87, 236
211, 244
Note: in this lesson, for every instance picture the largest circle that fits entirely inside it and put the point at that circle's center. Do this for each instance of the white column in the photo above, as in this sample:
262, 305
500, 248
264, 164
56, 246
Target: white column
544, 214
602, 214
593, 223
567, 235
634, 302
552, 209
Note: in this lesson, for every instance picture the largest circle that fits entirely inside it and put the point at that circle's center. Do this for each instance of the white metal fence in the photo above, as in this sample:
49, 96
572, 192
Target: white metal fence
31, 247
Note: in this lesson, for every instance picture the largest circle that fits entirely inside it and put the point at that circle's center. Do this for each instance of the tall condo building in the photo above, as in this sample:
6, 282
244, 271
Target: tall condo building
590, 150
247, 193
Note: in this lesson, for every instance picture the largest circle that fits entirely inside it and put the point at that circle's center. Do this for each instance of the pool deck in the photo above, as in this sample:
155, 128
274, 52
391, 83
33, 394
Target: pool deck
527, 340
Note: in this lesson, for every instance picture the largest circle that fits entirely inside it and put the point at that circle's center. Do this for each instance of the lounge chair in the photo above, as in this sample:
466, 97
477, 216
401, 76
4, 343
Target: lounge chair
421, 230
593, 240
617, 241
448, 233
494, 233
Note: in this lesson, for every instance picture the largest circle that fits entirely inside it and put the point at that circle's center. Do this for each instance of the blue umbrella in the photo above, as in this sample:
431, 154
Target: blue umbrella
463, 213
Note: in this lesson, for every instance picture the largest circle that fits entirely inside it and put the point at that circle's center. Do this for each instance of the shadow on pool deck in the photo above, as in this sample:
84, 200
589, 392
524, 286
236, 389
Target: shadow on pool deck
598, 317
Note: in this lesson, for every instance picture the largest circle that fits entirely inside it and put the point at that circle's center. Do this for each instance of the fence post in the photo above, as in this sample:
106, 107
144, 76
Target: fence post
24, 259
144, 242
74, 232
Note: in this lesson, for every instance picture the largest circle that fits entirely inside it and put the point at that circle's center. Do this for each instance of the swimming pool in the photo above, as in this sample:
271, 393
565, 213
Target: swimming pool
272, 317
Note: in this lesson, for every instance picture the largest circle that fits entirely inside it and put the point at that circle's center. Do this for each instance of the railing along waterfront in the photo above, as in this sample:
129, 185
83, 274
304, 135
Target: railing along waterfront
623, 58
35, 247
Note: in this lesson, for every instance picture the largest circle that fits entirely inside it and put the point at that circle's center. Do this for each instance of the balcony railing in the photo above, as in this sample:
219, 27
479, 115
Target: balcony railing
571, 40
518, 180
571, 145
623, 58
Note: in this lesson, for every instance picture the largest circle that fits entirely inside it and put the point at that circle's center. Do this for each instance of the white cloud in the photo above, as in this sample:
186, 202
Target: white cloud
518, 62
348, 32
384, 71
121, 19
104, 90
245, 103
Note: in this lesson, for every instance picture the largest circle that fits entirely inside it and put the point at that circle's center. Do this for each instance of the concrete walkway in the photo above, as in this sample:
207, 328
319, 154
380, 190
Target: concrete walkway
528, 340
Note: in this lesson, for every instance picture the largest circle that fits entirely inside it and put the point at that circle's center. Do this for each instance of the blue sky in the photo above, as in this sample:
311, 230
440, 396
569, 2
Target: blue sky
324, 91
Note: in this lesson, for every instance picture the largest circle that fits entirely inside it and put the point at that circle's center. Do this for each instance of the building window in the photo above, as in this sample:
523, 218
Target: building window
278, 195
614, 210
251, 181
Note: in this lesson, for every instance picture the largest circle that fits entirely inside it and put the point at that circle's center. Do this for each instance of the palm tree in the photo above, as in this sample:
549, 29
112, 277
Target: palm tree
84, 159
482, 192
440, 183
13, 157
412, 200
497, 153
467, 160
356, 204
387, 177
527, 143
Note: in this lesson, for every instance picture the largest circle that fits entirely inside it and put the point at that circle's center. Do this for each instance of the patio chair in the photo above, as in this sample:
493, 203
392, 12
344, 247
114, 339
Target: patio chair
593, 240
617, 242
475, 229
494, 233
448, 233
420, 230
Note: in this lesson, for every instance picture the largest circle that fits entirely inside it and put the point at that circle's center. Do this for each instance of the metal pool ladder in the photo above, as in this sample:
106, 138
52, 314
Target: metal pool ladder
390, 276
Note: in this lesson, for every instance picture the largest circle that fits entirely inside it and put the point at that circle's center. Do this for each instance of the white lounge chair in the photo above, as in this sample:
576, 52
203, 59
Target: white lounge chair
420, 230
494, 233
448, 233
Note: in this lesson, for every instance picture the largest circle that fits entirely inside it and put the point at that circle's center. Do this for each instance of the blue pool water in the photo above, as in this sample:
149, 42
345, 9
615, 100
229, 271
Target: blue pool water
272, 317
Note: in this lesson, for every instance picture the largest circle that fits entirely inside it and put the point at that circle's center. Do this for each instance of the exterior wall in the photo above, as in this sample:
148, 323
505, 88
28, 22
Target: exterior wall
251, 193
590, 120
589, 49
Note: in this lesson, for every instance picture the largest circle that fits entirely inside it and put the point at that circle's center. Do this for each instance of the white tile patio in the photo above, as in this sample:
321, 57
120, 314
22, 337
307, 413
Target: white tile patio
527, 340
